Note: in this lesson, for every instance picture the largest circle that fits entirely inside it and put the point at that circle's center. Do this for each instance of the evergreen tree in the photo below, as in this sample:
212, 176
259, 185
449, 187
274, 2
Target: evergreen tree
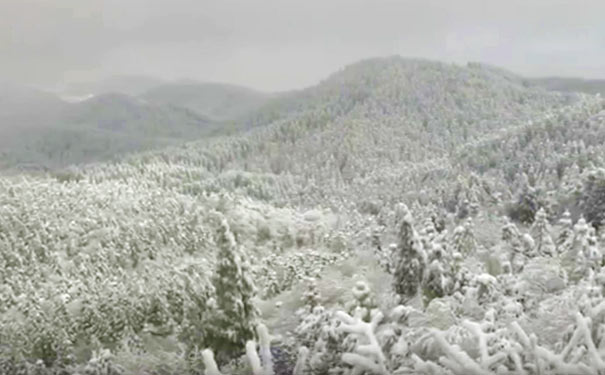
363, 301
410, 259
235, 317
311, 296
512, 237
463, 240
593, 197
548, 246
565, 237
540, 231
439, 273
529, 246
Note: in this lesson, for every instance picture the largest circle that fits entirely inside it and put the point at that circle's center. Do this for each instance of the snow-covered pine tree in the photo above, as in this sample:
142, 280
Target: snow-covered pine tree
235, 317
512, 237
565, 238
439, 279
428, 231
540, 230
410, 259
463, 240
363, 300
529, 246
576, 258
593, 196
311, 296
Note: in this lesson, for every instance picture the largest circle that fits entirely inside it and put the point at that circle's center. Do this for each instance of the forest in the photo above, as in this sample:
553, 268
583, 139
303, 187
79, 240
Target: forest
403, 216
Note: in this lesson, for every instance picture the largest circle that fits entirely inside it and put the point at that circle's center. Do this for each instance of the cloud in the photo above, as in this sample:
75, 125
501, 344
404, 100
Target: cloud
282, 44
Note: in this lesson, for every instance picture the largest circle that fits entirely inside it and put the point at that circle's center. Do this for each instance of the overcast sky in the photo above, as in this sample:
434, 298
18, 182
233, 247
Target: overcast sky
285, 44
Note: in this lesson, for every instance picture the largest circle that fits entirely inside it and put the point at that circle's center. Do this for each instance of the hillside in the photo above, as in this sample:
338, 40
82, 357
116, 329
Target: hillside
16, 103
372, 119
101, 128
132, 85
449, 215
212, 100
110, 122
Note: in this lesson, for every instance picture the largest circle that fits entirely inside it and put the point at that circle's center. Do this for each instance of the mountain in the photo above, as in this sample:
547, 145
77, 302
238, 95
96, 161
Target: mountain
127, 114
26, 104
213, 100
463, 185
589, 86
374, 118
99, 121
103, 127
124, 84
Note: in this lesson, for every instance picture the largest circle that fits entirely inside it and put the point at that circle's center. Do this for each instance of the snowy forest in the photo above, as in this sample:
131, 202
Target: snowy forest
403, 216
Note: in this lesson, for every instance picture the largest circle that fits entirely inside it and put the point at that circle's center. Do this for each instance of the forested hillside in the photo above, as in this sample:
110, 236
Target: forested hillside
100, 128
213, 100
400, 217
131, 85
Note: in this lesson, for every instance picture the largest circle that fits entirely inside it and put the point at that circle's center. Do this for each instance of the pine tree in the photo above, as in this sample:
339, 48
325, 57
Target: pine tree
548, 246
581, 237
565, 237
363, 300
540, 231
410, 260
463, 240
311, 296
593, 197
529, 246
235, 317
436, 284
512, 237
577, 258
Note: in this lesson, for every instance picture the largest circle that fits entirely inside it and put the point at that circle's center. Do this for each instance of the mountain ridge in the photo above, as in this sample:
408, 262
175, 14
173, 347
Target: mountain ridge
219, 101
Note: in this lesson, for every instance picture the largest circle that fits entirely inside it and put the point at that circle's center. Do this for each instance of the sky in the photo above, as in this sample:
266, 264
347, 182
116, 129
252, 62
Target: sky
275, 45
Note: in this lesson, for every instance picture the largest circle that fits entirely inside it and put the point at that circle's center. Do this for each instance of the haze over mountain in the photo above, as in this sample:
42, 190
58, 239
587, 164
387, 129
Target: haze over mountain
103, 120
214, 100
26, 104
39, 130
132, 85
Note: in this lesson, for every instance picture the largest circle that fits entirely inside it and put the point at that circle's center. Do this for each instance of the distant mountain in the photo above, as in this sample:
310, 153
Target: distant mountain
214, 100
126, 114
123, 84
101, 128
103, 120
26, 105
589, 86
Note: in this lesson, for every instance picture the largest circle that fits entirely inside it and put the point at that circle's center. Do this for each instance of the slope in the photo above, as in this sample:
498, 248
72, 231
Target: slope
367, 121
26, 105
213, 100
103, 127
123, 84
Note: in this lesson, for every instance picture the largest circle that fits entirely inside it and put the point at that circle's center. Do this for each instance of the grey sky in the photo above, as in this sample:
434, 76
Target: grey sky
285, 44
